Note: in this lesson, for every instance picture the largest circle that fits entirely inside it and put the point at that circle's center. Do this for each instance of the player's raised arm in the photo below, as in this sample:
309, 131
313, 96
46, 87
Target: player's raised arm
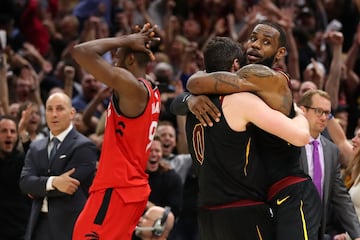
131, 57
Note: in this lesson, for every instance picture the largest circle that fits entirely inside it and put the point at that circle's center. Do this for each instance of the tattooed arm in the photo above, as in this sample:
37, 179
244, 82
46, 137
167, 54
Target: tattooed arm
268, 84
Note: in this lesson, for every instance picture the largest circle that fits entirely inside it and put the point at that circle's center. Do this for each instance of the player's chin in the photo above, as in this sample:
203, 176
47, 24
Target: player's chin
253, 59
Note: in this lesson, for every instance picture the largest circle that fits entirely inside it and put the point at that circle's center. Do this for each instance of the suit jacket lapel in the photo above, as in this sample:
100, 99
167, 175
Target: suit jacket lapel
46, 152
68, 141
305, 167
65, 144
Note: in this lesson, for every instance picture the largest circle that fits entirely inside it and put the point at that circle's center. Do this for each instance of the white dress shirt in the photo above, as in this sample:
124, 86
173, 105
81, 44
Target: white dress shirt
49, 182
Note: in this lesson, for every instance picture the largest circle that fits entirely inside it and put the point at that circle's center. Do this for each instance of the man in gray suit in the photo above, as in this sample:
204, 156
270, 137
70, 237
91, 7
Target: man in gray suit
57, 174
317, 109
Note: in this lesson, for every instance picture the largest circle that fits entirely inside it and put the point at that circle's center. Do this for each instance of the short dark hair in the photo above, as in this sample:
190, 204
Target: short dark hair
142, 58
11, 118
282, 36
220, 53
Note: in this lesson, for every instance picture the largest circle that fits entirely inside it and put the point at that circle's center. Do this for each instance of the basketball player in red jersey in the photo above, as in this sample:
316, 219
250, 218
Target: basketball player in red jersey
120, 190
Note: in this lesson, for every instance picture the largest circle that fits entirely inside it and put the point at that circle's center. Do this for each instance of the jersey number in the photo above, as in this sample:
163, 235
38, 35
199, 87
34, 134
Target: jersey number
152, 131
198, 142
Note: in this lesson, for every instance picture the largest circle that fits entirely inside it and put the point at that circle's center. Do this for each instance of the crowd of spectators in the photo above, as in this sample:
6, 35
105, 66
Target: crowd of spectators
323, 46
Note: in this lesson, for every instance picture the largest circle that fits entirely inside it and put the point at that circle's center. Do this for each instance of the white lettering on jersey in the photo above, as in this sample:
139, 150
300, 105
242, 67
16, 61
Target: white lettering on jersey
155, 107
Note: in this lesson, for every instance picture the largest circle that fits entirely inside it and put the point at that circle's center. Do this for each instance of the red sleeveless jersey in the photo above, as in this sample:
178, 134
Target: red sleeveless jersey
125, 149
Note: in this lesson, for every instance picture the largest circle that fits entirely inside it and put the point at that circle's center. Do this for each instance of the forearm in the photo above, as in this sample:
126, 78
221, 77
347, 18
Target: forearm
39, 58
270, 86
333, 82
352, 80
35, 96
4, 91
16, 60
337, 134
68, 86
159, 32
34, 185
231, 25
352, 55
251, 78
270, 7
217, 83
293, 65
99, 46
90, 110
89, 56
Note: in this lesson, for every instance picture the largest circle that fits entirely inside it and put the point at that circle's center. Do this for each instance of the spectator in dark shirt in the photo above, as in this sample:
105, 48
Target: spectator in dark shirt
14, 206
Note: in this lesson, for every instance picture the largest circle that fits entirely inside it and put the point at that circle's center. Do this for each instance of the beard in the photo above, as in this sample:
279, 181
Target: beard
267, 61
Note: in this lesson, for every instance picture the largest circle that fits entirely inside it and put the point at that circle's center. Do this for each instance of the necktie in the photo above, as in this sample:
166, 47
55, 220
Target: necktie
317, 173
54, 148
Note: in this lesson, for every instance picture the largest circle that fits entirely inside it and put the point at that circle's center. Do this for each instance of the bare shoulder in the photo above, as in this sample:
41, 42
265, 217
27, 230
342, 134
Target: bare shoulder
236, 107
257, 70
267, 78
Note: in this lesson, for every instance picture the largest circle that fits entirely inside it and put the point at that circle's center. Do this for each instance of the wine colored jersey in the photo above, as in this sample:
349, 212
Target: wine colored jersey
228, 164
125, 149
281, 158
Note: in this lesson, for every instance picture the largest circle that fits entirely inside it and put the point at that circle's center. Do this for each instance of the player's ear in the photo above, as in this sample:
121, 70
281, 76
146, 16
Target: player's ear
130, 59
281, 52
302, 108
236, 65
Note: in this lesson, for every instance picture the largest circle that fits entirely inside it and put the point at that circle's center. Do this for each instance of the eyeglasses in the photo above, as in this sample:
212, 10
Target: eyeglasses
319, 112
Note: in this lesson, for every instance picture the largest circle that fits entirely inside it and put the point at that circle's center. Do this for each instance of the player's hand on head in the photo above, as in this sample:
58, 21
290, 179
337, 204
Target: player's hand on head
204, 110
142, 38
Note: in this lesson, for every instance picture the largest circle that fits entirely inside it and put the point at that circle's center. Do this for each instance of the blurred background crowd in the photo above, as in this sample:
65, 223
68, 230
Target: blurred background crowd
35, 61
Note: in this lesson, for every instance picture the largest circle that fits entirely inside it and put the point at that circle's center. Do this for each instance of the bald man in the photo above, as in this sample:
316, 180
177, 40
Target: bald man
57, 173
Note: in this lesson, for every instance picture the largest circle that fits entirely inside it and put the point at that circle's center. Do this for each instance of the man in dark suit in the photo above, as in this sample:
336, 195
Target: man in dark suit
317, 109
57, 174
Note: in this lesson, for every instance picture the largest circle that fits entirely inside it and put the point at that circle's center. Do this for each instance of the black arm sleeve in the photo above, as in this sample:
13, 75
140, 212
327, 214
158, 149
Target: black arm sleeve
178, 105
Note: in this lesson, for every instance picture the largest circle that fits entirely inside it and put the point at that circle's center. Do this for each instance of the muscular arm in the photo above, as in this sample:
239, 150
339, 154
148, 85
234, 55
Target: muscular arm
133, 93
268, 84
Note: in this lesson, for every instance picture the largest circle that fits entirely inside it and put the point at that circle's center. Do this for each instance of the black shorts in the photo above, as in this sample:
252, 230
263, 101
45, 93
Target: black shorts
297, 212
234, 223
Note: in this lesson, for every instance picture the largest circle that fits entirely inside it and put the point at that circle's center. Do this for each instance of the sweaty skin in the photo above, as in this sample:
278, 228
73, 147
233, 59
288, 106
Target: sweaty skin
269, 85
